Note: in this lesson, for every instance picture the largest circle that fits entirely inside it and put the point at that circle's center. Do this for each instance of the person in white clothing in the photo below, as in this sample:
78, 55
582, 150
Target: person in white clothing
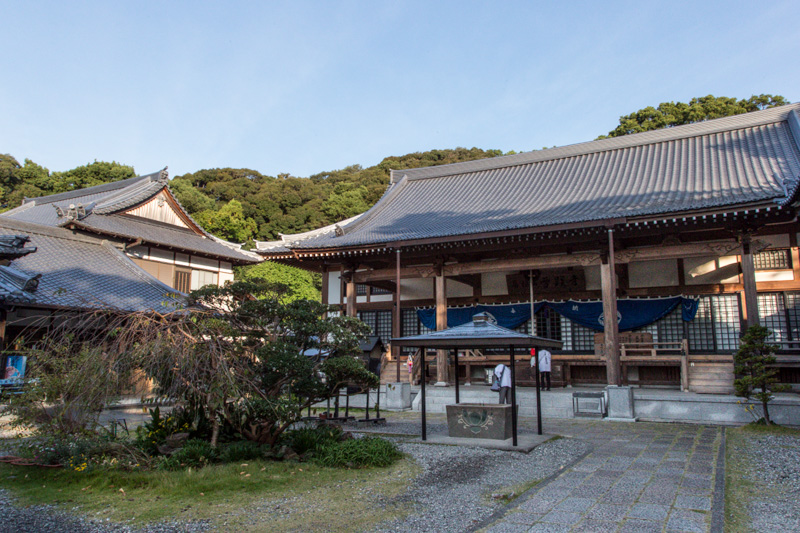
503, 374
545, 359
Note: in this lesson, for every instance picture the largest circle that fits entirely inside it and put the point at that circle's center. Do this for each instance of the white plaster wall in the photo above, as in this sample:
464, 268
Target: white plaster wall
456, 289
775, 241
494, 284
704, 270
653, 273
225, 277
334, 287
775, 275
592, 275
381, 298
416, 289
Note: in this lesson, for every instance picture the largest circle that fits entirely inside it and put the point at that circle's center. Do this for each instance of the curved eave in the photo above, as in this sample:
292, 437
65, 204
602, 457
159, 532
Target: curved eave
716, 216
236, 261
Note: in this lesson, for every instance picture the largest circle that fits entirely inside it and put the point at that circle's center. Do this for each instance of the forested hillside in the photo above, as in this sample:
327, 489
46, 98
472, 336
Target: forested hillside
239, 204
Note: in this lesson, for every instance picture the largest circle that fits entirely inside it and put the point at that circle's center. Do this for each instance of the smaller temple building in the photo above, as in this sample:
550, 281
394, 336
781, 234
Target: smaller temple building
156, 232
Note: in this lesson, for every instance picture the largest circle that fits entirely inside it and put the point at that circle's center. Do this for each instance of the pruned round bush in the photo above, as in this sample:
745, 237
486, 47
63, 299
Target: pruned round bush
358, 453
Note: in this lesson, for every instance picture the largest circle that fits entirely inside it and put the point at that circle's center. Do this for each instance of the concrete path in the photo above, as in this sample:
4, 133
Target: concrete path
639, 477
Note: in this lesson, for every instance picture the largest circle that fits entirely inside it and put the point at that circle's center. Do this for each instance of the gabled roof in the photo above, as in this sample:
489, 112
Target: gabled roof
100, 209
130, 227
742, 160
79, 272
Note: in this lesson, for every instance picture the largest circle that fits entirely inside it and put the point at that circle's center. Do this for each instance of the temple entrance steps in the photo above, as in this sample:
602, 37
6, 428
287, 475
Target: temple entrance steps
710, 377
389, 372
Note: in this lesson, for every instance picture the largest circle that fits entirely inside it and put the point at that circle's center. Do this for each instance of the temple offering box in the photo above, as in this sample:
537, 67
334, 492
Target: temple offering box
479, 421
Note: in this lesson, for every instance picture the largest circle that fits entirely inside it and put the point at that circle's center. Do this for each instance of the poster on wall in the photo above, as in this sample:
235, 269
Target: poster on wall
15, 367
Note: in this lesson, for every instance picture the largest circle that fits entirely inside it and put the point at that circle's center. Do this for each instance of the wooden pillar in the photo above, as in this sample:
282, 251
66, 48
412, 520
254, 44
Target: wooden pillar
396, 331
351, 295
422, 392
441, 323
610, 325
749, 283
325, 287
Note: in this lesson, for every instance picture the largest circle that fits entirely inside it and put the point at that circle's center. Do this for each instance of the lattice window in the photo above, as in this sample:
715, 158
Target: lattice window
524, 328
701, 329
566, 334
772, 312
548, 325
361, 289
582, 338
368, 318
793, 313
380, 290
727, 325
670, 327
383, 326
772, 260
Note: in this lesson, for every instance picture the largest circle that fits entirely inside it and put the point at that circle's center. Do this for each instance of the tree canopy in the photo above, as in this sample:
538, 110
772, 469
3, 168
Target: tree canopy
31, 180
289, 204
669, 114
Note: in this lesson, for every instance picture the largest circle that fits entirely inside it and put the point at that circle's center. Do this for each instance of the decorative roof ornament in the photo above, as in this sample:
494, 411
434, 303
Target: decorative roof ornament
16, 280
13, 246
75, 212
163, 176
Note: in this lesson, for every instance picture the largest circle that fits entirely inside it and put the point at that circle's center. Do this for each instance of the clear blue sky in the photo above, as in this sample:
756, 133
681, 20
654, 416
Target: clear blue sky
303, 87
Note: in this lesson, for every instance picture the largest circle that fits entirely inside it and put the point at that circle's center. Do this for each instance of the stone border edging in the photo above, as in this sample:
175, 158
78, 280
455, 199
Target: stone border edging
718, 507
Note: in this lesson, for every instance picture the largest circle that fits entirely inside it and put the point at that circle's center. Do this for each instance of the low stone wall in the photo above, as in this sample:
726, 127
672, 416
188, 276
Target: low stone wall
712, 409
649, 404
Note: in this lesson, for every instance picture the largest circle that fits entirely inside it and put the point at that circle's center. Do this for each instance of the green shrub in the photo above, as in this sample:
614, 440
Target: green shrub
306, 440
358, 453
242, 450
195, 453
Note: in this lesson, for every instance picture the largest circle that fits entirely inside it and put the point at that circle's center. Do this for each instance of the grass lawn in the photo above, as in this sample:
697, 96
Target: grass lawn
741, 488
253, 496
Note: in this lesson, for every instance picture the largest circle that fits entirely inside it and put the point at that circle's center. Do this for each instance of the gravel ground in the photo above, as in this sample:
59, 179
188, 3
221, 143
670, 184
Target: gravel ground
45, 518
775, 467
454, 491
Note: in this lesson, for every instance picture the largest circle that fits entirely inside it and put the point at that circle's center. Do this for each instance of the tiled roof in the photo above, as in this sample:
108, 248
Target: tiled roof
97, 209
283, 245
13, 246
79, 271
17, 286
739, 160
156, 233
475, 333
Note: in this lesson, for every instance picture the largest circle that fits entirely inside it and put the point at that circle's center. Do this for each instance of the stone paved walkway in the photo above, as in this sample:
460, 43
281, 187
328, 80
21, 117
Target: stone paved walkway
639, 477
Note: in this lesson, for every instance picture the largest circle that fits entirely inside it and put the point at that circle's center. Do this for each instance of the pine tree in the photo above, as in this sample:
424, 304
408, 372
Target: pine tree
754, 364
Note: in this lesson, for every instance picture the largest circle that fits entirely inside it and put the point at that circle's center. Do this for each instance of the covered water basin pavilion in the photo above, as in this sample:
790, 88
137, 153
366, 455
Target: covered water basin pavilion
479, 333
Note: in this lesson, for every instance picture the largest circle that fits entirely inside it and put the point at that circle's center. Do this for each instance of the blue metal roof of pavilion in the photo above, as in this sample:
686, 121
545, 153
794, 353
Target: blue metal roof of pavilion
480, 332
